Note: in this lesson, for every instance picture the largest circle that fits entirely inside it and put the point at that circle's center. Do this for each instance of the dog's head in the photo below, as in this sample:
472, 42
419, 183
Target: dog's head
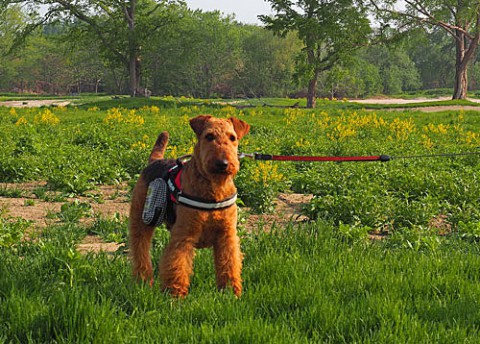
217, 146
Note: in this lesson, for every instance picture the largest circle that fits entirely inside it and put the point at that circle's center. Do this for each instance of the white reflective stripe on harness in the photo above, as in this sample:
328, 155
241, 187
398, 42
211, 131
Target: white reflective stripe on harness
207, 206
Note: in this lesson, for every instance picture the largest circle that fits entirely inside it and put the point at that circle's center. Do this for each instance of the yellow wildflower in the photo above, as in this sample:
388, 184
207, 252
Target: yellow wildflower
228, 110
471, 139
114, 116
402, 128
153, 109
266, 173
46, 117
139, 145
21, 121
427, 141
185, 120
341, 132
133, 118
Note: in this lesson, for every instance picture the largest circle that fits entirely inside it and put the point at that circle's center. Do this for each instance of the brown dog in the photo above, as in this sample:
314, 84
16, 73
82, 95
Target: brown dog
207, 178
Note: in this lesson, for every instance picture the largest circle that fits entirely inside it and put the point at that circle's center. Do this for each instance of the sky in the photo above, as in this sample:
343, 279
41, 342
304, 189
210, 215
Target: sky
246, 11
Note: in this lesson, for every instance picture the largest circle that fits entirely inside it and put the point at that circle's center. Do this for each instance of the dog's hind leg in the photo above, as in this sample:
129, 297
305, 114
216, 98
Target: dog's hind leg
140, 236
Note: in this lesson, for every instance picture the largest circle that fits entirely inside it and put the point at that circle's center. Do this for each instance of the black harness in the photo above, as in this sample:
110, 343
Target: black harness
165, 191
179, 197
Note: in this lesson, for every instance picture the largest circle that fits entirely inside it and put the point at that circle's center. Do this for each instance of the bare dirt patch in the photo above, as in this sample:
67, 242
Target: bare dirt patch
93, 243
106, 201
288, 209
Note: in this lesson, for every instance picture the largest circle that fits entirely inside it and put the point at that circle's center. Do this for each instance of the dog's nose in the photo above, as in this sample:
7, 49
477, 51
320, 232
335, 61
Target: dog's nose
221, 164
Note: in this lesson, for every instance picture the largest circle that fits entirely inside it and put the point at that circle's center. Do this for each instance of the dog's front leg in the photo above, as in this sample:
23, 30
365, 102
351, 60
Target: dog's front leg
228, 261
176, 265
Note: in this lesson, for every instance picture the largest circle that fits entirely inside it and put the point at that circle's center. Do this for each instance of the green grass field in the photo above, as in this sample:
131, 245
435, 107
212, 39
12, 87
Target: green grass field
323, 280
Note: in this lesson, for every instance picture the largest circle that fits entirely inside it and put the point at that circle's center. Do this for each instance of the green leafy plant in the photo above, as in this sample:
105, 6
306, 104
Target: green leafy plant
12, 231
113, 229
469, 230
72, 212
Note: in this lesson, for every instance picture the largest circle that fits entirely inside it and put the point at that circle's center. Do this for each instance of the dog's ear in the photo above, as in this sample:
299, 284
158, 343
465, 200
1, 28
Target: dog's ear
241, 127
198, 123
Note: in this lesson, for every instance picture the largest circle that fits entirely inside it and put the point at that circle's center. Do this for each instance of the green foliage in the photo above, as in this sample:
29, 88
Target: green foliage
258, 186
353, 233
12, 231
11, 192
72, 212
469, 230
396, 68
110, 230
112, 146
208, 54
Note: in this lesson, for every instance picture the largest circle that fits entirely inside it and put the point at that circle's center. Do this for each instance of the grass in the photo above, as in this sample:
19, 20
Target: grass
302, 284
322, 281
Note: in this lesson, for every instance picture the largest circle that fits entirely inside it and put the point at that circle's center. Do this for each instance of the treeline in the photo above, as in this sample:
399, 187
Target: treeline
206, 54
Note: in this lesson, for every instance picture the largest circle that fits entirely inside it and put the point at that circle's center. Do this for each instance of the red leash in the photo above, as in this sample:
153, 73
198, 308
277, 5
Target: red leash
382, 158
259, 156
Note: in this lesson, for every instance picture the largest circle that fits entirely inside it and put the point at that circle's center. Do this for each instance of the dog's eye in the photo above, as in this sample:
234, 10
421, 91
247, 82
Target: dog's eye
209, 137
233, 138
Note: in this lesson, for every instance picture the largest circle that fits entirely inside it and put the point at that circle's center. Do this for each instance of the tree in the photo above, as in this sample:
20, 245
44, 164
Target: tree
433, 55
123, 27
199, 59
268, 63
358, 78
397, 70
330, 31
459, 18
10, 19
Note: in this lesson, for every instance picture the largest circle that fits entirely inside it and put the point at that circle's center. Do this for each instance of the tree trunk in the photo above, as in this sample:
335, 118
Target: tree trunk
461, 82
461, 67
133, 51
312, 91
133, 74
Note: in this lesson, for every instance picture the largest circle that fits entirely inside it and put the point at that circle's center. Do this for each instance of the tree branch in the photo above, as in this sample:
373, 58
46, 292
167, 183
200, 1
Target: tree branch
77, 13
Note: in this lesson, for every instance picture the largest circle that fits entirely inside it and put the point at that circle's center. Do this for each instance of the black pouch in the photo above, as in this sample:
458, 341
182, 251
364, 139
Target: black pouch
155, 208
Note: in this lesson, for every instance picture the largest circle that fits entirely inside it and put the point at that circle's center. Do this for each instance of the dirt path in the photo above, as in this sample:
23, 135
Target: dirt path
384, 100
387, 101
375, 100
440, 108
35, 103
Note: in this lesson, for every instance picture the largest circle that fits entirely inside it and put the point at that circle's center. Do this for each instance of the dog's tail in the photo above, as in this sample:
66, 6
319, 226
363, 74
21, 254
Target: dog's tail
159, 148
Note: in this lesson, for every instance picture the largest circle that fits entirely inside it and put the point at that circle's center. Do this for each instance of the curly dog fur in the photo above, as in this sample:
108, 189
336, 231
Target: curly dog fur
208, 174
